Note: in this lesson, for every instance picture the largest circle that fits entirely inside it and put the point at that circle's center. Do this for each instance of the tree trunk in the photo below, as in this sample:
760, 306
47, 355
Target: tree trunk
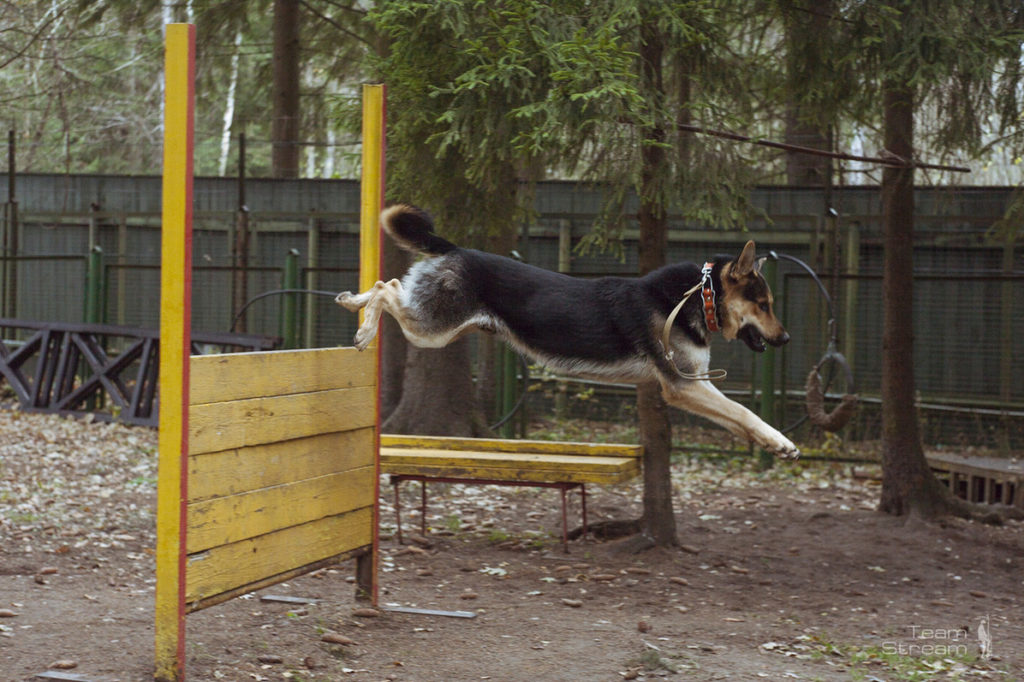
438, 395
907, 482
284, 129
658, 522
393, 347
807, 25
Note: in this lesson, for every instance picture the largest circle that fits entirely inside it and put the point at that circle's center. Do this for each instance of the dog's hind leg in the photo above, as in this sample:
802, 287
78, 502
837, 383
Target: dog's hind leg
704, 399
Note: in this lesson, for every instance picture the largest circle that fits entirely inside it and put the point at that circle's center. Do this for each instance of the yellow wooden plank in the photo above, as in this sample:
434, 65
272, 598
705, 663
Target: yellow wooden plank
608, 476
228, 567
238, 376
223, 426
259, 584
223, 520
508, 466
506, 445
499, 459
229, 472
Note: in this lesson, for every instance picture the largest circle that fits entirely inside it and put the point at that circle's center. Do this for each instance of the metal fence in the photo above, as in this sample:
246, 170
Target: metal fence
86, 249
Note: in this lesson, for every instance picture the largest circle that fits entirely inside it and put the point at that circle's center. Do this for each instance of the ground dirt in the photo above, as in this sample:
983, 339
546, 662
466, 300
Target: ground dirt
790, 574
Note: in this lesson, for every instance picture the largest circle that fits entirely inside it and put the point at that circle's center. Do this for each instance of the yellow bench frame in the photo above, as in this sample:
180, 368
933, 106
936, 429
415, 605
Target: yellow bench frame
492, 461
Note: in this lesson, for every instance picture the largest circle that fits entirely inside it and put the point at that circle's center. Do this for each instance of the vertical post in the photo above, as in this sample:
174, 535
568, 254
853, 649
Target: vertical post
94, 286
508, 390
564, 266
9, 280
240, 246
290, 305
851, 266
1006, 344
371, 202
175, 342
768, 407
122, 279
312, 279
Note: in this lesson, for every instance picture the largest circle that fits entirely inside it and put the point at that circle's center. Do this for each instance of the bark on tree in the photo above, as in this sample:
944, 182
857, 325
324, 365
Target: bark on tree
438, 396
284, 129
658, 521
908, 485
805, 24
393, 344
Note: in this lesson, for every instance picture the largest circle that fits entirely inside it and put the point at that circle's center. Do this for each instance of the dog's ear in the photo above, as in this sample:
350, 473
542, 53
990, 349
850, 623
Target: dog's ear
745, 263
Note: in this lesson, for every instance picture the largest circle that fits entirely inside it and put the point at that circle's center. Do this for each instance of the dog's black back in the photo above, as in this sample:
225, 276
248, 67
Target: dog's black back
603, 321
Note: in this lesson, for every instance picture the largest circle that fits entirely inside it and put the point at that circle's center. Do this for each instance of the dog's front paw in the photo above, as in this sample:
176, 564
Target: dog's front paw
792, 452
780, 445
348, 300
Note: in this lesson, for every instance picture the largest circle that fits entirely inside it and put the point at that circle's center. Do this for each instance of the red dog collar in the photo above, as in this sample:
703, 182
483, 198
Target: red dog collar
707, 294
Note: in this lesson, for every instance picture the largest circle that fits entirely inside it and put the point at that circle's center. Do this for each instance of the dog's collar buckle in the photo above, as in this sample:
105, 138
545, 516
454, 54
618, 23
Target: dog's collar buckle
707, 293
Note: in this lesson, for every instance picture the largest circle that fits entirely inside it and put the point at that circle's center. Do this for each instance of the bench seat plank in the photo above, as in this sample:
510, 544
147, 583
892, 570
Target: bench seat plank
508, 445
510, 466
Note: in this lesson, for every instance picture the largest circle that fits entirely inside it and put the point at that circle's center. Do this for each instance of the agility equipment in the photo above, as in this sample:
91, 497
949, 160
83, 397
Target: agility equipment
268, 461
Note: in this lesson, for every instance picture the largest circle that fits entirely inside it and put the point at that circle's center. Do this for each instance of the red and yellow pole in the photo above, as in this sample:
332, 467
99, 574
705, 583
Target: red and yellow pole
371, 203
175, 344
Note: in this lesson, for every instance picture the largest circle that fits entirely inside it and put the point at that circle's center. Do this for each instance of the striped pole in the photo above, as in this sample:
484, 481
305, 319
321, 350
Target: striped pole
175, 343
371, 203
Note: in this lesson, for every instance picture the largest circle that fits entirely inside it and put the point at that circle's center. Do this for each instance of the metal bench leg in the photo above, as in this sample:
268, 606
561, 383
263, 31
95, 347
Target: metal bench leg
583, 502
423, 508
565, 523
398, 510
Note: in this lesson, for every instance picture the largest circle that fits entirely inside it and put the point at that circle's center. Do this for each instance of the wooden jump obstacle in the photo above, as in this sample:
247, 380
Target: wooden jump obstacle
981, 479
486, 461
268, 461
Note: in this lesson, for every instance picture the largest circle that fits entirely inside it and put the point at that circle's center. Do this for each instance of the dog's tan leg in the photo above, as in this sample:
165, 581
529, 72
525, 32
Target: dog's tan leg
381, 297
704, 399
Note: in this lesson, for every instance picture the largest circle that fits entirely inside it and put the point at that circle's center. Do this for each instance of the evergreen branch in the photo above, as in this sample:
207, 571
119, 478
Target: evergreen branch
335, 24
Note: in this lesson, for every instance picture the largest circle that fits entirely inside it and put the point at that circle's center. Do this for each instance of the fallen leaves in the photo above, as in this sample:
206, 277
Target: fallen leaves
71, 487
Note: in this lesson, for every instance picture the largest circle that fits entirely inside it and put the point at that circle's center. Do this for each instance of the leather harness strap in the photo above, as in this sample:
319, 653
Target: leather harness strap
707, 288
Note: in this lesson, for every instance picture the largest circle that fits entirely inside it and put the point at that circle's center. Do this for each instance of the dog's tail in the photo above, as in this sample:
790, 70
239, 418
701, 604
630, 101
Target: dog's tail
413, 229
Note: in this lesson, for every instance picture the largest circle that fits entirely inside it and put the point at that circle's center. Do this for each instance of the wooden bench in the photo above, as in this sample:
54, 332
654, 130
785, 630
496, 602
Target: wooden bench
489, 461
981, 479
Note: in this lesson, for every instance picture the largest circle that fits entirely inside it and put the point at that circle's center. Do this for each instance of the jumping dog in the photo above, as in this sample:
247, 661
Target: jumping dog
622, 329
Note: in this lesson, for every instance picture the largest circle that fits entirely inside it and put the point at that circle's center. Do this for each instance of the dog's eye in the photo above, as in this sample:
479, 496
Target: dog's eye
764, 307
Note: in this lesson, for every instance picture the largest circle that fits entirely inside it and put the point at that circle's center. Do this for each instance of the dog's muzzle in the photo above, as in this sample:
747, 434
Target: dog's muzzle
751, 336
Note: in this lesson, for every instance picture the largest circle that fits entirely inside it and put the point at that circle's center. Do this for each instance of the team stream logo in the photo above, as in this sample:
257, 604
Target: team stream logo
956, 642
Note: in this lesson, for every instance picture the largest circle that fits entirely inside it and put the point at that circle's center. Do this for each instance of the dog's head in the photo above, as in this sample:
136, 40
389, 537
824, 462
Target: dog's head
745, 304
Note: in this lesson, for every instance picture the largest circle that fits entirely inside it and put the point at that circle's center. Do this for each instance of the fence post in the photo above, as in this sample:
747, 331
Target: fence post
9, 273
767, 369
564, 266
1006, 344
290, 305
508, 390
312, 280
94, 286
851, 265
239, 245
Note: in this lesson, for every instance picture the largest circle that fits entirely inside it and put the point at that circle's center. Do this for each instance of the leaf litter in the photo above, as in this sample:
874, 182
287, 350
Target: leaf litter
86, 492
